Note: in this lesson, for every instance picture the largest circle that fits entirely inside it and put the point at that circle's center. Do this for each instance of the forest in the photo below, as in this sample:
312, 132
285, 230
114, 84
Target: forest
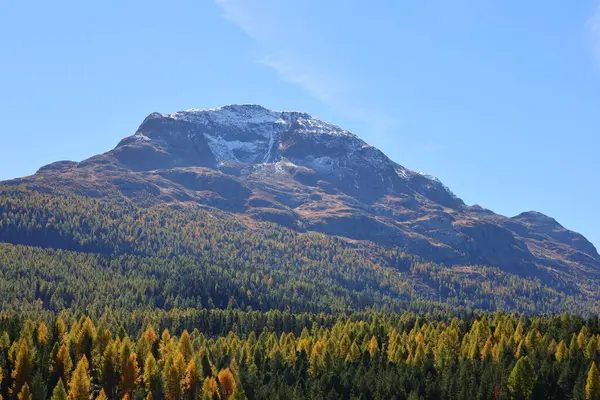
229, 354
100, 299
62, 251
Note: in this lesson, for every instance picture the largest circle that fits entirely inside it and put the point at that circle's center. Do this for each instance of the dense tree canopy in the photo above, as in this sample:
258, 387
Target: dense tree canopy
230, 354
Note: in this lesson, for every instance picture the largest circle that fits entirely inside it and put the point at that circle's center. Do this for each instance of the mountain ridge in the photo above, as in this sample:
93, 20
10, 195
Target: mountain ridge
306, 174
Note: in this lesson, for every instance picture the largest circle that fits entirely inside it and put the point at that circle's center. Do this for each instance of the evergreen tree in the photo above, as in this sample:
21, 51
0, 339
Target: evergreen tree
109, 369
521, 380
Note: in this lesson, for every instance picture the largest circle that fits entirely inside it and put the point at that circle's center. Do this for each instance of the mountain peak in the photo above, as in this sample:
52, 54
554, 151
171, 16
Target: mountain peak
293, 169
537, 217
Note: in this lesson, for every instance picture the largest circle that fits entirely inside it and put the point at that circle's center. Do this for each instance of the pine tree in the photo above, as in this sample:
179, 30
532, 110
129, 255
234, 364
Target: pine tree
59, 392
80, 385
592, 387
109, 369
85, 338
591, 349
522, 379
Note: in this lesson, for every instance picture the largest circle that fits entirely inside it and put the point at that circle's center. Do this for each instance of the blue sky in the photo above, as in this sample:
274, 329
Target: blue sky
499, 99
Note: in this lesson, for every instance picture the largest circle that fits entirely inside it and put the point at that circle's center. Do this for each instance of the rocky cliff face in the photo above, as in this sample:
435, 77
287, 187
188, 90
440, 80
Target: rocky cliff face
298, 171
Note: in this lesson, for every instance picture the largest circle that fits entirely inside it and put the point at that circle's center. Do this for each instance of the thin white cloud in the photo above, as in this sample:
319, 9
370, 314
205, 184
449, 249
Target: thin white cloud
594, 27
268, 23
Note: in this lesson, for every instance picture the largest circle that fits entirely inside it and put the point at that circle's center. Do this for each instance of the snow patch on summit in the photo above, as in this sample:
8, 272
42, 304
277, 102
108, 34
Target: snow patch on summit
314, 125
437, 181
240, 117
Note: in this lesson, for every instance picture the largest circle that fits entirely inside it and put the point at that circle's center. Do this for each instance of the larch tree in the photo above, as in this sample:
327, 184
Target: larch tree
62, 364
102, 395
227, 382
173, 376
151, 377
25, 393
130, 375
42, 333
24, 363
210, 389
80, 386
185, 346
561, 351
191, 380
592, 387
59, 392
373, 347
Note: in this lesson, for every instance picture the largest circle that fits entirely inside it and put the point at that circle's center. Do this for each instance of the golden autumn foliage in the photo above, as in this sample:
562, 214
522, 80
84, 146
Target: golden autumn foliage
210, 389
80, 385
24, 364
42, 333
25, 393
101, 395
227, 382
263, 360
592, 386
130, 375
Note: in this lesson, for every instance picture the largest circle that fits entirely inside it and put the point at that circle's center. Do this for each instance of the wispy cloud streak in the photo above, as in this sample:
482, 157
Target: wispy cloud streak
594, 27
290, 58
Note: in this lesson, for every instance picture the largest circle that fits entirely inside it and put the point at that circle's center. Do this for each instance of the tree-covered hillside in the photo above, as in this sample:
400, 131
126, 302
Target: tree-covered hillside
90, 254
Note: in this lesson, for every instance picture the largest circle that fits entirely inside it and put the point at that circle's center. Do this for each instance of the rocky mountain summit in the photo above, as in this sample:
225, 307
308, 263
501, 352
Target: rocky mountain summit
295, 170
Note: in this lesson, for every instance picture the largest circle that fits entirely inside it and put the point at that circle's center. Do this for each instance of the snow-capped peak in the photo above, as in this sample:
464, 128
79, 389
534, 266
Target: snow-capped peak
231, 115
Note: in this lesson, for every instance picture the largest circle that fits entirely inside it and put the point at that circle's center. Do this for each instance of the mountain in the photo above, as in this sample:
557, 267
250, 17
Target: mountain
257, 166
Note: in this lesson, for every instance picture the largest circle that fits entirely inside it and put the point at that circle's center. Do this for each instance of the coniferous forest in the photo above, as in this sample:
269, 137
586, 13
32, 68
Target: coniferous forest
104, 300
228, 354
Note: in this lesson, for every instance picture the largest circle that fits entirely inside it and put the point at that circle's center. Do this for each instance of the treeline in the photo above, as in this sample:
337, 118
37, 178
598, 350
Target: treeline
87, 254
225, 354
